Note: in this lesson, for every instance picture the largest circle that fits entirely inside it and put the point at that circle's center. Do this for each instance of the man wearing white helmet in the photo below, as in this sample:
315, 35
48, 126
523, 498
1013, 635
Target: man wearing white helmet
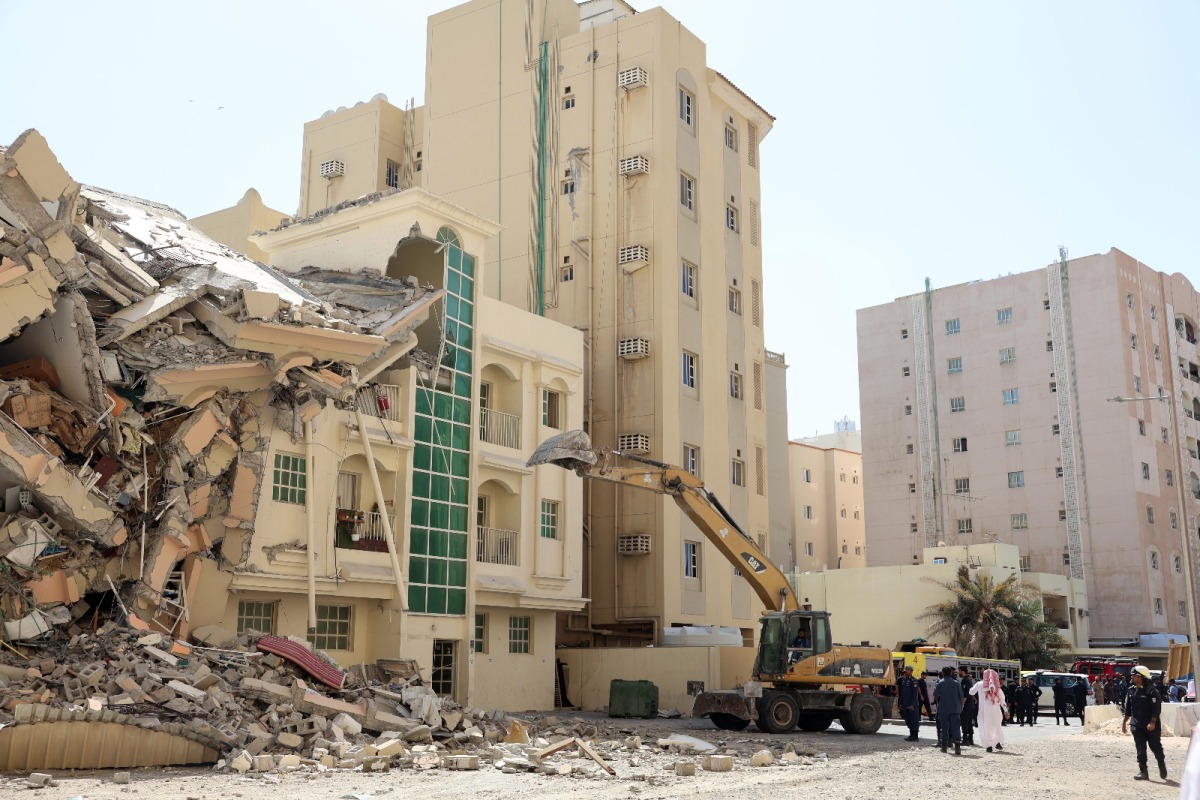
1142, 705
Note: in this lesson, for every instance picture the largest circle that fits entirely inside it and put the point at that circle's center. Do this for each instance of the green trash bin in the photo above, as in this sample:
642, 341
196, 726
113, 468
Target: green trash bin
632, 699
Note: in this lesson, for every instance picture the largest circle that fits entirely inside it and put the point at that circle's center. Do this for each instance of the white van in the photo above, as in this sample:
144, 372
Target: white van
1044, 680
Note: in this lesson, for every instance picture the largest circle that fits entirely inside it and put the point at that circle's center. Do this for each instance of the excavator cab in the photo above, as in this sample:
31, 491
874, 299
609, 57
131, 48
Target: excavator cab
789, 637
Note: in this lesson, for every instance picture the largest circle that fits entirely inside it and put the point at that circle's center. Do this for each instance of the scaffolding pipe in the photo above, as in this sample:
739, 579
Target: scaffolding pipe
384, 516
310, 516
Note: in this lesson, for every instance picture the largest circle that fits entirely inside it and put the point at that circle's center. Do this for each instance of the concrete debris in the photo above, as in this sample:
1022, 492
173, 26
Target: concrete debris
763, 758
137, 357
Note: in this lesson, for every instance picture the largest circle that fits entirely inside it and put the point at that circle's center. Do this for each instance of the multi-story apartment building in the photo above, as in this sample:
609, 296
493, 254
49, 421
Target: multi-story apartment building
827, 507
987, 416
624, 171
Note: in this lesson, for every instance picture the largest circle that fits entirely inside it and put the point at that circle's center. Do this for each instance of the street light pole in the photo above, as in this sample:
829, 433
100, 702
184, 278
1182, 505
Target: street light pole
1184, 525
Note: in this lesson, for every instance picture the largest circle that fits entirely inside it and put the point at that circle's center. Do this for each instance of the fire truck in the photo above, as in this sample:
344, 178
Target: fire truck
1103, 668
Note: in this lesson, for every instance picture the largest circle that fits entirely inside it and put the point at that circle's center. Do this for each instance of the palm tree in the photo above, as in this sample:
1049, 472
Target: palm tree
985, 619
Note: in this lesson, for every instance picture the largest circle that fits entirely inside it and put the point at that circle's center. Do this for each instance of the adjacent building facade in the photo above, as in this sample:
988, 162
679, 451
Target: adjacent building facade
987, 416
827, 507
624, 173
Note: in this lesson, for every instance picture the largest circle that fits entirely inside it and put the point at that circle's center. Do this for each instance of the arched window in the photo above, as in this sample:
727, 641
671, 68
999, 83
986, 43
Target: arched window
448, 236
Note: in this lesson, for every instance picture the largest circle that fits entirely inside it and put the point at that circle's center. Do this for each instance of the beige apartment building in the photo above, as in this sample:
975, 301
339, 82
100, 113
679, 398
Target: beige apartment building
623, 171
987, 417
827, 507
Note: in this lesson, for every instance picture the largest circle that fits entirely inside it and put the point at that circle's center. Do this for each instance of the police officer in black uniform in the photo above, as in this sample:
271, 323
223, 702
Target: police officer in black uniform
912, 696
1032, 693
1142, 705
970, 708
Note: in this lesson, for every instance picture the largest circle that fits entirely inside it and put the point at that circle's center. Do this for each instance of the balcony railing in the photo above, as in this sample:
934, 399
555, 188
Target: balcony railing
497, 546
362, 530
380, 400
496, 427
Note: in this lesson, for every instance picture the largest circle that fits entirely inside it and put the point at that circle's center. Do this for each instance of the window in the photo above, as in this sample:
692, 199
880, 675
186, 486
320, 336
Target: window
1133, 341
962, 485
691, 458
568, 103
808, 549
731, 218
1145, 471
1182, 608
904, 333
1158, 605
1150, 514
912, 488
1008, 355
1142, 427
441, 677
1049, 345
954, 366
905, 372
479, 642
1054, 429
731, 137
689, 369
908, 449
1062, 515
1046, 305
908, 411
964, 526
1137, 384
1174, 520
843, 513
735, 385
333, 628
687, 191
842, 477
1016, 480
808, 512
568, 270
1177, 564
856, 514
687, 272
255, 615
1129, 299
392, 174
417, 164
1153, 312
1004, 316
1058, 472
854, 479
960, 444
1066, 559
1011, 397
1153, 560
737, 472
686, 106
288, 482
518, 634
1157, 353
857, 550
549, 521
735, 300
1053, 387
912, 527
691, 559
807, 475
845, 550
1164, 435
952, 327
1012, 438
568, 187
958, 404
551, 408
1019, 521
1170, 478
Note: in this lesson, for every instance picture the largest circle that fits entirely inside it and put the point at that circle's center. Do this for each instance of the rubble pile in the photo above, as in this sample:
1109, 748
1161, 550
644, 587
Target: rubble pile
131, 450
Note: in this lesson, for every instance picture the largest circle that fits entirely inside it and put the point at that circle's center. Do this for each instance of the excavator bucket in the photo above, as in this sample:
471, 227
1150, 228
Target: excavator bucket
570, 450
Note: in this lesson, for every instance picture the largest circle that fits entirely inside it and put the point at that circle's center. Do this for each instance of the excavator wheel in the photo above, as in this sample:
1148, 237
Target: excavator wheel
814, 723
778, 712
728, 722
864, 715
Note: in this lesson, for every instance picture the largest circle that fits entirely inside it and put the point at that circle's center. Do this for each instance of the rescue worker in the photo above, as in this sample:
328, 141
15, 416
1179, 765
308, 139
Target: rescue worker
1079, 692
970, 708
1060, 702
912, 696
949, 697
1142, 705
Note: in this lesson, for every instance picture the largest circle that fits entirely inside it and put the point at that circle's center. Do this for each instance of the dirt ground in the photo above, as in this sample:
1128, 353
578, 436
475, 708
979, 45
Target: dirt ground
1046, 761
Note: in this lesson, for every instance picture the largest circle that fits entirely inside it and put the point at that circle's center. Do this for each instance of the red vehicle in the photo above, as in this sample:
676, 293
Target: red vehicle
1103, 668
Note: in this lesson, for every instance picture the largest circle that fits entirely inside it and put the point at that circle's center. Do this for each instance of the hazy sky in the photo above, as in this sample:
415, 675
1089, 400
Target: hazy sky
954, 140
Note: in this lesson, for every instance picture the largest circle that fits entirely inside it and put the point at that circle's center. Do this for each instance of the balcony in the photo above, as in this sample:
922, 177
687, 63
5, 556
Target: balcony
361, 530
381, 400
497, 546
496, 427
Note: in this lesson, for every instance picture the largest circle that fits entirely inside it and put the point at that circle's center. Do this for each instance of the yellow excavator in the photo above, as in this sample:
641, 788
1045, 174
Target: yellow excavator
801, 679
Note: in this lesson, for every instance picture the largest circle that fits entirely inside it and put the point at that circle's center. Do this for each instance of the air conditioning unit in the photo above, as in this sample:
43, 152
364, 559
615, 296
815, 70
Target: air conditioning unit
636, 544
635, 165
632, 78
633, 349
633, 443
633, 254
333, 169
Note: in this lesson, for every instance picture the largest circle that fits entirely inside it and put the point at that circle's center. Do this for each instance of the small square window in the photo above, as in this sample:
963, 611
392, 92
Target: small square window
1016, 480
1012, 438
912, 527
1020, 522
568, 187
735, 385
689, 369
1046, 305
731, 138
912, 488
1053, 387
958, 404
691, 560
691, 458
568, 103
255, 615
289, 479
1011, 397
1062, 515
519, 635
735, 300
731, 218
1049, 345
1004, 316
908, 411
687, 273
1054, 429
392, 174
905, 372
737, 472
904, 333
960, 444
334, 628
1008, 355
952, 327
962, 485
1058, 472
908, 449
954, 365
964, 526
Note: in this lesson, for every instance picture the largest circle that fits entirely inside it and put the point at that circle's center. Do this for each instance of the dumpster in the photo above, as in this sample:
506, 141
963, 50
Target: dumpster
632, 699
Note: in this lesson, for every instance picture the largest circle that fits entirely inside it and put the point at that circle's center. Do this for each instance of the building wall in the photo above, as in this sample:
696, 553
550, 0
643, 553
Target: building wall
233, 226
827, 506
882, 605
1109, 298
779, 476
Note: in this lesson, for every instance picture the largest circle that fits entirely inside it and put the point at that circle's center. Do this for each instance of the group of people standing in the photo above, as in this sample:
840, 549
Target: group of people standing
963, 704
1114, 689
